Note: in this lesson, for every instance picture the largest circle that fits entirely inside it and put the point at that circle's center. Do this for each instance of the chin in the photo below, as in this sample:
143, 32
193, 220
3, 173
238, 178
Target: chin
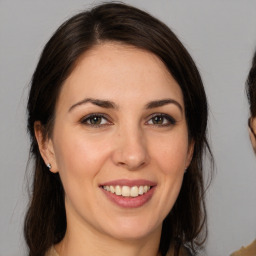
134, 231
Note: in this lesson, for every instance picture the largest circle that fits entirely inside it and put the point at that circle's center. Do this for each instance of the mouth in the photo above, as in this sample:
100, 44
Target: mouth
127, 191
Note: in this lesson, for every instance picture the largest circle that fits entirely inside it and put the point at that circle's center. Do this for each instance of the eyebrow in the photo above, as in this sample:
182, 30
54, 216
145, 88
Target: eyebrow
111, 105
97, 102
160, 103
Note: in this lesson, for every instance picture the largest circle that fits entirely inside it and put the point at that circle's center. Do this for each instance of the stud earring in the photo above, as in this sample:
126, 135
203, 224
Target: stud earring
49, 166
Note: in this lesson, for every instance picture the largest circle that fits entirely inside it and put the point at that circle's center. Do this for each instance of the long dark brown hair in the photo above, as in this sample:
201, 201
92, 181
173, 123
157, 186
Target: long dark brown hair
45, 223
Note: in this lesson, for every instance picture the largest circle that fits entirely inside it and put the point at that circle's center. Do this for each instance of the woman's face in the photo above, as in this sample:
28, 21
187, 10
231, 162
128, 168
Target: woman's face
120, 142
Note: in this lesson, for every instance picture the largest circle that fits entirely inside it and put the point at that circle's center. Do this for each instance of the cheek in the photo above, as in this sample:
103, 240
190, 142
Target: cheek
171, 154
79, 157
79, 160
170, 159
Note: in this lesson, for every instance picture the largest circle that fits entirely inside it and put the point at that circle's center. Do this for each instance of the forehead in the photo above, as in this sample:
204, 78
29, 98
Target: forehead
114, 69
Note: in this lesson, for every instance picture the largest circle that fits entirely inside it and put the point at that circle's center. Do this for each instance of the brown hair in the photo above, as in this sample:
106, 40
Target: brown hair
251, 87
45, 222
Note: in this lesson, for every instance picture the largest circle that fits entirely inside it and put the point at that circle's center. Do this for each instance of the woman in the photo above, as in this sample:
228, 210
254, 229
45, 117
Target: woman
117, 116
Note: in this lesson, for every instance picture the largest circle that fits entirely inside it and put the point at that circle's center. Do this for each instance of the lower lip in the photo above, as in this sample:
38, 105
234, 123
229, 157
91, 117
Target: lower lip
130, 202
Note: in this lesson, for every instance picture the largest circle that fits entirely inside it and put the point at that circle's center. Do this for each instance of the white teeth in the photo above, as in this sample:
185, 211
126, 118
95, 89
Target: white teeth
112, 189
141, 190
134, 191
127, 191
107, 188
118, 191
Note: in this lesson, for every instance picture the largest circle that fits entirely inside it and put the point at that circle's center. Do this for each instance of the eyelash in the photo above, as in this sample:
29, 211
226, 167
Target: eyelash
170, 120
87, 118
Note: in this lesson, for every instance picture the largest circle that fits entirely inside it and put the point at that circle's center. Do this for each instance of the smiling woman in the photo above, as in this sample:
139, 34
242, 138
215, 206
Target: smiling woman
117, 116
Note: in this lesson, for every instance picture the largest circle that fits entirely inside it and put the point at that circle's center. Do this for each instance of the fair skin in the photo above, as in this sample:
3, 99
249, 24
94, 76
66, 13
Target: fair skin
252, 132
120, 121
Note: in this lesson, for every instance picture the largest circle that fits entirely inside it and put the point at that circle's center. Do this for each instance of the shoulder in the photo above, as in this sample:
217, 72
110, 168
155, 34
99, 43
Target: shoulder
250, 250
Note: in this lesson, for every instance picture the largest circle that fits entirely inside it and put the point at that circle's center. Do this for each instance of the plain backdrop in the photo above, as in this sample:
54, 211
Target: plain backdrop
221, 37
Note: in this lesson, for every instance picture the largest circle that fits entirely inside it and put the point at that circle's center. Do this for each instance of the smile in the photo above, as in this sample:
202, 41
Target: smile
127, 191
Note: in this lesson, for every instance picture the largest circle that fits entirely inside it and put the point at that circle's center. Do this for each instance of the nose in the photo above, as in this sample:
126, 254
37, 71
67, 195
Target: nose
131, 149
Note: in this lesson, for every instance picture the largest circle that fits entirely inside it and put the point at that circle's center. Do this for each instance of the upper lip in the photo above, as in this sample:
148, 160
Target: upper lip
129, 183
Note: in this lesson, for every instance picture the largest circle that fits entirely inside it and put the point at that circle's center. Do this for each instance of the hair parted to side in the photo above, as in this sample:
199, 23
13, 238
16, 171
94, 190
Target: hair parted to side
251, 87
45, 222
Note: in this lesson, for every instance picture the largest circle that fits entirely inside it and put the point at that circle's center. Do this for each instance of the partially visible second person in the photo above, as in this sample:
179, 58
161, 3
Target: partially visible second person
251, 93
250, 250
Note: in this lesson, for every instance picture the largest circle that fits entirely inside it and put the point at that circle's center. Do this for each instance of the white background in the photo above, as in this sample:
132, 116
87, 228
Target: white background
221, 37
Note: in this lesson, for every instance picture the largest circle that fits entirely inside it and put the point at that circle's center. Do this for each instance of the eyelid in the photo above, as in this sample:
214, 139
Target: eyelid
171, 120
101, 115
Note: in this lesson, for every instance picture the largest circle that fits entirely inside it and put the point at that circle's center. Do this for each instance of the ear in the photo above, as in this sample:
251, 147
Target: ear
45, 146
252, 132
190, 152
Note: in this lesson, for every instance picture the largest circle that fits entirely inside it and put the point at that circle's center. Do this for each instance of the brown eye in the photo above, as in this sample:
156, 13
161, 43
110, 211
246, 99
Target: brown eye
157, 120
95, 120
161, 120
